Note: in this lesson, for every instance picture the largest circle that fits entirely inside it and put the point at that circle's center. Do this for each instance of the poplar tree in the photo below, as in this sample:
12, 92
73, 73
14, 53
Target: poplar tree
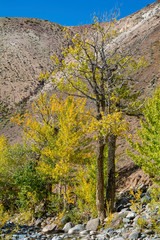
56, 130
94, 67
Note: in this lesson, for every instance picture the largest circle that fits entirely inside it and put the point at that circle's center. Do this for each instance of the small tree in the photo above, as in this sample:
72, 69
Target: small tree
96, 68
12, 160
147, 140
56, 129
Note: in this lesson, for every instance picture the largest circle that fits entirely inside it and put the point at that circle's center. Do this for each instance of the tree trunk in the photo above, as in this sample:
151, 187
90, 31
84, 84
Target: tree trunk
64, 199
100, 179
111, 186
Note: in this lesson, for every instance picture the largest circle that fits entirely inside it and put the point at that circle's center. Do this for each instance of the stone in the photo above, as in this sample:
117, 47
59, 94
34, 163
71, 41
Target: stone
84, 232
93, 232
76, 229
110, 232
102, 237
134, 235
149, 231
35, 236
131, 215
57, 238
119, 208
68, 226
93, 224
21, 236
122, 201
128, 205
117, 238
148, 209
126, 220
127, 225
38, 222
135, 221
123, 213
49, 228
119, 231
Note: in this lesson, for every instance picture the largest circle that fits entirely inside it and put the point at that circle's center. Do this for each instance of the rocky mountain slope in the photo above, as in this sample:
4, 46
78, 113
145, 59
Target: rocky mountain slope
25, 49
27, 44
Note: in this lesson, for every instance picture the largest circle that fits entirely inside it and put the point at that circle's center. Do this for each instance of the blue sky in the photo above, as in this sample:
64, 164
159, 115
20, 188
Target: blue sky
68, 13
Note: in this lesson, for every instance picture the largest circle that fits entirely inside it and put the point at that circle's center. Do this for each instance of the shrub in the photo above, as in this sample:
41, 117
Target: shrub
32, 186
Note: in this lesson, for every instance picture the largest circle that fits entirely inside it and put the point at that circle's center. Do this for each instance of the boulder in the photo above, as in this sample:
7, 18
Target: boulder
126, 220
123, 213
149, 231
93, 224
49, 228
76, 229
68, 226
134, 235
102, 237
84, 232
131, 215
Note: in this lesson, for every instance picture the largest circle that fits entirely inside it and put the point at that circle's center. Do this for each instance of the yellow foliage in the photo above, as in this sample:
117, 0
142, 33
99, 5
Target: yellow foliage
69, 195
56, 129
59, 217
86, 190
111, 123
109, 215
3, 144
44, 76
136, 203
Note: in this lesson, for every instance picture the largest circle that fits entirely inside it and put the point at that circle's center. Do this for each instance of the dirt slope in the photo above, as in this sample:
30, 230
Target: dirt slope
25, 49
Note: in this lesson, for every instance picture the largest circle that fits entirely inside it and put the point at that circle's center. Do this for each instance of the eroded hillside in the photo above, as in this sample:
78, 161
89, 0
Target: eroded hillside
25, 49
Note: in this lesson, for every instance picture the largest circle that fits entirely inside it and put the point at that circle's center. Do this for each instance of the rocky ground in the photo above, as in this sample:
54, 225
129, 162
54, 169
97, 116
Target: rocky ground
26, 45
133, 219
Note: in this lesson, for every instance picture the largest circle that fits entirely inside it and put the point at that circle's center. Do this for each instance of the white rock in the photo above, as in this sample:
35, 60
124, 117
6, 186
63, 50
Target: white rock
76, 229
123, 213
49, 228
117, 238
68, 226
93, 224
131, 215
93, 232
84, 232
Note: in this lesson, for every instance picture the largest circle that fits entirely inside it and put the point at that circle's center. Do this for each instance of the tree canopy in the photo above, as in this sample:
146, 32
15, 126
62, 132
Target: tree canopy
96, 68
146, 142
